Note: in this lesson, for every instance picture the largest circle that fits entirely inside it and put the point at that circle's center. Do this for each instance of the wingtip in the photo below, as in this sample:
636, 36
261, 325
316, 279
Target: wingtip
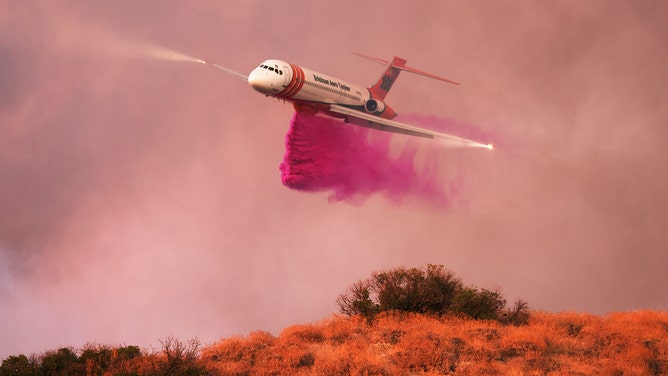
229, 71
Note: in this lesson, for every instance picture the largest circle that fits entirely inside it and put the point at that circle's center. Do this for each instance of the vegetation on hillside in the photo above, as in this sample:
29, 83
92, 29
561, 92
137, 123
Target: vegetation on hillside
175, 358
394, 343
397, 322
434, 291
397, 343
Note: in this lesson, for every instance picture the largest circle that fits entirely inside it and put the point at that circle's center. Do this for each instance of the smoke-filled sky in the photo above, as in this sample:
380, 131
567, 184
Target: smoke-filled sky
142, 198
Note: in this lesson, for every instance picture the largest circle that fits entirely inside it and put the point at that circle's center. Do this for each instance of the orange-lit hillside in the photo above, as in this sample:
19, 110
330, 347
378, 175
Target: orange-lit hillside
633, 343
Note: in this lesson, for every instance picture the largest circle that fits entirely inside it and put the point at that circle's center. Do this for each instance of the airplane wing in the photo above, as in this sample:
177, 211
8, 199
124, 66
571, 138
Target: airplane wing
229, 71
371, 121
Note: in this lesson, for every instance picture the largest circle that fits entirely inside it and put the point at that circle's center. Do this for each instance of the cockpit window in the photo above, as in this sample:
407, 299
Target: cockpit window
275, 70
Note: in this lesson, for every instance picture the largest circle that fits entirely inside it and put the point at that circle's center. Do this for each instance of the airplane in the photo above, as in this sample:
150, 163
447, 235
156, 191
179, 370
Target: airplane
314, 92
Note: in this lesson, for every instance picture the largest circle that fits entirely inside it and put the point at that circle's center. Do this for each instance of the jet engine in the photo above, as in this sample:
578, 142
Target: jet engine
374, 106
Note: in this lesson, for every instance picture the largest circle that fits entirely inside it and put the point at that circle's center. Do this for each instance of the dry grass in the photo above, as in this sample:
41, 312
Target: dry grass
634, 343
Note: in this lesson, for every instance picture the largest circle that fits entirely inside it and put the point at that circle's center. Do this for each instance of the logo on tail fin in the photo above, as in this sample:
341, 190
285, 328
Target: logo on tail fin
384, 84
387, 83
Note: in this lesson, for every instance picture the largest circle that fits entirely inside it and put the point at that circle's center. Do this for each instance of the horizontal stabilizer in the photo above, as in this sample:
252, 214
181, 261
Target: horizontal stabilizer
374, 59
405, 68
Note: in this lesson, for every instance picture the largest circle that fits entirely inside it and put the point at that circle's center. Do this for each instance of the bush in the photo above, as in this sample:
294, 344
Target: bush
127, 352
62, 362
179, 359
479, 304
96, 358
517, 315
401, 289
432, 291
18, 365
357, 301
415, 290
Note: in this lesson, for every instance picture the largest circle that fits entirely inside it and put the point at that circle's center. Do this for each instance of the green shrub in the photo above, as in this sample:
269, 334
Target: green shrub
479, 304
435, 290
62, 362
18, 365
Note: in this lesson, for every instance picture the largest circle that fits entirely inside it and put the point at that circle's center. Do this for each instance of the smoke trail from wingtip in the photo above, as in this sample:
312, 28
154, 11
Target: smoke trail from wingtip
167, 54
137, 49
100, 41
323, 154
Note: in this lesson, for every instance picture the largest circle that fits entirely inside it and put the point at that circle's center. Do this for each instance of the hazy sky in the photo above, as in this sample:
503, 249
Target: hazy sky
142, 198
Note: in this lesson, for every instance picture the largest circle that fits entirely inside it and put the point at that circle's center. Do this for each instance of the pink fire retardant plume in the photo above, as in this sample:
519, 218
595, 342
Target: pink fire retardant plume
325, 154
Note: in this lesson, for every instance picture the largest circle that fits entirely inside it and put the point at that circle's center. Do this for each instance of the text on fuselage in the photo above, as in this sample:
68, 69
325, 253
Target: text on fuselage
331, 83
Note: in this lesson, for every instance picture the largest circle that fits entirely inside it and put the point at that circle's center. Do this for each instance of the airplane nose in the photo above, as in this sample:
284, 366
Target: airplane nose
258, 81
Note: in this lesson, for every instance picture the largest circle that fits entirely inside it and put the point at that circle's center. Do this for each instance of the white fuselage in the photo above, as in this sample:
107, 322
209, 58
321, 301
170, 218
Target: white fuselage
314, 92
291, 82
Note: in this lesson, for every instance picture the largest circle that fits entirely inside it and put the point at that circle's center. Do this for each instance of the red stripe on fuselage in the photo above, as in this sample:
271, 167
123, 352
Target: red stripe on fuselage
303, 79
296, 83
292, 83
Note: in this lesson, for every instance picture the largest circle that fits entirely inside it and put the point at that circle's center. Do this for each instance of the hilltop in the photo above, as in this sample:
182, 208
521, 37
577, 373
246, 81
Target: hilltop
394, 343
401, 344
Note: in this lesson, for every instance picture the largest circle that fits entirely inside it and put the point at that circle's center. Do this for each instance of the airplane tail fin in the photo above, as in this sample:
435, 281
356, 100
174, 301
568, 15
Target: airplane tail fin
384, 84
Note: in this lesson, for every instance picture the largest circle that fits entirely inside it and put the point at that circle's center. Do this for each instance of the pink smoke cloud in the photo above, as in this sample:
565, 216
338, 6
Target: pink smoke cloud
138, 197
324, 154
